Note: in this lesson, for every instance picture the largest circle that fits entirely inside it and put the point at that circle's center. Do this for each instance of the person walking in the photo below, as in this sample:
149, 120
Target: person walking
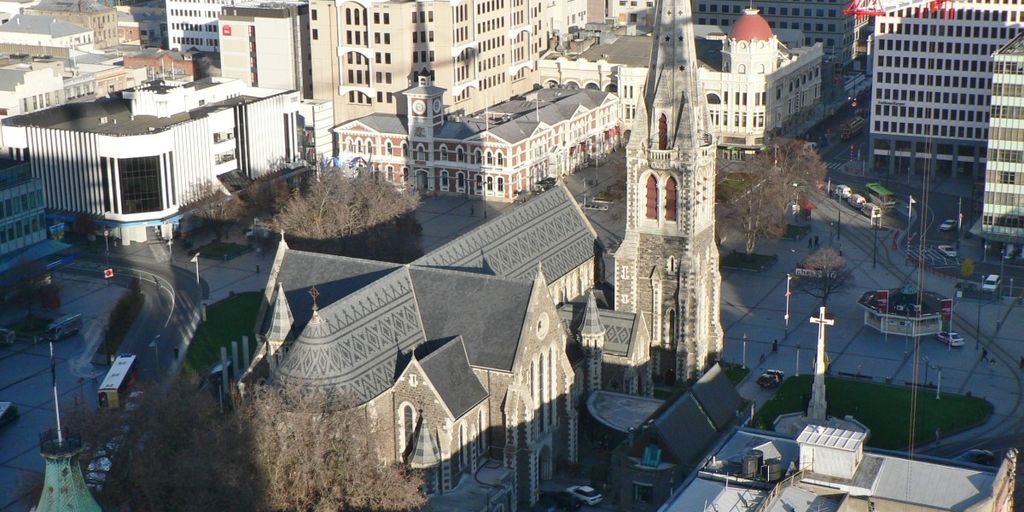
810, 242
775, 348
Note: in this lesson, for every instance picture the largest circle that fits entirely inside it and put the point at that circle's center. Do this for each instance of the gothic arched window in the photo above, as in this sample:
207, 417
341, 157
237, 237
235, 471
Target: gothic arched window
662, 132
408, 426
670, 329
652, 197
671, 200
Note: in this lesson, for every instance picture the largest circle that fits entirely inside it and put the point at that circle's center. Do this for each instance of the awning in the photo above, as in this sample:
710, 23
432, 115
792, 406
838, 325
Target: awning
805, 204
37, 251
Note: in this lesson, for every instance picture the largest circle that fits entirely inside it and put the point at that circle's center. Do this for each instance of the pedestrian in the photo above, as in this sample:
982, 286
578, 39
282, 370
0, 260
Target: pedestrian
762, 357
1022, 362
810, 242
257, 269
472, 210
984, 353
816, 240
775, 348
938, 435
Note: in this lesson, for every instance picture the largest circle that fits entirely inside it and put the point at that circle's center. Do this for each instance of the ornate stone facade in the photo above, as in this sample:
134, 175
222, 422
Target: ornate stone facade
666, 268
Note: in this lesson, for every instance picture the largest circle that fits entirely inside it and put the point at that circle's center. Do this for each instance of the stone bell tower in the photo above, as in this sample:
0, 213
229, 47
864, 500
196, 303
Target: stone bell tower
667, 265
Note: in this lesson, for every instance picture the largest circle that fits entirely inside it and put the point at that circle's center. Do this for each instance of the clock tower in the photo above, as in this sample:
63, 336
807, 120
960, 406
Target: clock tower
667, 265
425, 110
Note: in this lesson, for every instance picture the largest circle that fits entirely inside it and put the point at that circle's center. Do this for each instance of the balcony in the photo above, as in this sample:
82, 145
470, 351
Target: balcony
660, 158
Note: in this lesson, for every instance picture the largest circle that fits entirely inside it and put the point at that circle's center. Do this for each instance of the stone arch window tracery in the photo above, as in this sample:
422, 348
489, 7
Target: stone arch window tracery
671, 200
662, 132
652, 197
407, 426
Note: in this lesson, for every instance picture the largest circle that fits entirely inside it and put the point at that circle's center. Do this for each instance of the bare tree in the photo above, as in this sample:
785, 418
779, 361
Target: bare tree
359, 217
823, 274
28, 279
775, 177
218, 209
317, 454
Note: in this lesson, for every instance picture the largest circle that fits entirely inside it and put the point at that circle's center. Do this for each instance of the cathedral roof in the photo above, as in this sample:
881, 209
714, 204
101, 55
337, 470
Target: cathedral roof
717, 396
591, 318
549, 228
373, 315
448, 370
620, 328
751, 27
281, 317
425, 452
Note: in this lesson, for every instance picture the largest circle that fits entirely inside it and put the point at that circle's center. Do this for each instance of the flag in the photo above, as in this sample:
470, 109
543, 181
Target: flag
53, 367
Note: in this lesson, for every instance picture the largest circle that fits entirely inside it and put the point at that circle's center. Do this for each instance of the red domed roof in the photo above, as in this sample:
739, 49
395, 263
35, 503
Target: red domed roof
751, 27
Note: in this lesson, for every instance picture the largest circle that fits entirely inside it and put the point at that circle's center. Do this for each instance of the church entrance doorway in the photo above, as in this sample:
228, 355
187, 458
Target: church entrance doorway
547, 466
421, 180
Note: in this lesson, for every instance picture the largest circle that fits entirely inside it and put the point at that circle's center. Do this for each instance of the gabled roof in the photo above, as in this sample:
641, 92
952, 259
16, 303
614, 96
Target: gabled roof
549, 228
620, 328
381, 123
448, 370
355, 348
683, 431
48, 25
490, 329
717, 396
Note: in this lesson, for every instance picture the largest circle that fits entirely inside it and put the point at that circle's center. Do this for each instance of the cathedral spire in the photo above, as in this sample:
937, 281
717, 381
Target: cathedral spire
591, 325
673, 113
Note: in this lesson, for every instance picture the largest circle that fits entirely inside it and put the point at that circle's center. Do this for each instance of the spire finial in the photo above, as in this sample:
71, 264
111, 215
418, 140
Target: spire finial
313, 292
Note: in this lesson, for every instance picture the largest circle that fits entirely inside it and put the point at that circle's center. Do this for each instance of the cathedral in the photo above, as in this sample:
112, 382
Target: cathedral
474, 360
666, 268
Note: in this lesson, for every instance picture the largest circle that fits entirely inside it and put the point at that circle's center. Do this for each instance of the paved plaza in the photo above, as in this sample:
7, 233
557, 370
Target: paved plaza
754, 304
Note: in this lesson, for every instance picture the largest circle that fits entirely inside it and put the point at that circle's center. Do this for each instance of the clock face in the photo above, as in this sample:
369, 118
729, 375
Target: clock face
419, 107
437, 105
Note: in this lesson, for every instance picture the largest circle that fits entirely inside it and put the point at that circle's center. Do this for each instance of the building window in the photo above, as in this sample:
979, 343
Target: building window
652, 197
643, 493
408, 426
671, 200
140, 184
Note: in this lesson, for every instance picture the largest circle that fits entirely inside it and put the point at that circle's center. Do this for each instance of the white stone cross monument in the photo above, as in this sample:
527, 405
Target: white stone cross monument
816, 409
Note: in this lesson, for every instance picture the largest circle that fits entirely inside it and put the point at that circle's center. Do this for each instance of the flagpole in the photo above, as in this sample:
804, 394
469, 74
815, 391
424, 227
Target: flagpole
56, 404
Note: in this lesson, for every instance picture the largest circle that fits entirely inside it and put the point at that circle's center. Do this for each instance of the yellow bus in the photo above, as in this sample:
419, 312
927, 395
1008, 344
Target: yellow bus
119, 381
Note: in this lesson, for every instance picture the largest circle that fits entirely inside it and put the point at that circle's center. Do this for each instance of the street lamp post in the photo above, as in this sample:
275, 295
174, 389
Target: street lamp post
839, 223
789, 277
744, 350
910, 216
874, 246
156, 352
959, 221
926, 365
195, 259
938, 388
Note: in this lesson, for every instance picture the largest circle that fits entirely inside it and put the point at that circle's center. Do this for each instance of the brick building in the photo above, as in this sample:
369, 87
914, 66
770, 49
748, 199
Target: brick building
497, 155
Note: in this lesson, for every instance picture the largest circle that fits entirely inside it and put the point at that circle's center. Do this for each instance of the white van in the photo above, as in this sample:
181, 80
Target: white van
856, 200
871, 210
843, 191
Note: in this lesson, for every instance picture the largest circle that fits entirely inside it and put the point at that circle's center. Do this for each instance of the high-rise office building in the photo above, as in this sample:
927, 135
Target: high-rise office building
1002, 218
932, 82
192, 24
267, 45
481, 52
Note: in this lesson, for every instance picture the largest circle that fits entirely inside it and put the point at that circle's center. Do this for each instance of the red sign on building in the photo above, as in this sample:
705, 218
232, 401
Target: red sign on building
947, 309
882, 299
225, 30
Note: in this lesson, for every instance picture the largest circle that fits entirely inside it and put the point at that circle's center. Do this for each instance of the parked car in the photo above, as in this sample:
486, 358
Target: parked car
562, 500
977, 456
843, 191
947, 225
586, 494
857, 201
8, 413
991, 283
771, 379
595, 206
947, 250
950, 338
6, 337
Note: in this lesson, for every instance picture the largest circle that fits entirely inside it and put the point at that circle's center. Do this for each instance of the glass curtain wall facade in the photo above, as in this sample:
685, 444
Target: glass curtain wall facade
22, 220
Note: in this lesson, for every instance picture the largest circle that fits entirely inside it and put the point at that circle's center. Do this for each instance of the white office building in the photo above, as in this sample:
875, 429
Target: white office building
1002, 218
192, 24
932, 84
135, 159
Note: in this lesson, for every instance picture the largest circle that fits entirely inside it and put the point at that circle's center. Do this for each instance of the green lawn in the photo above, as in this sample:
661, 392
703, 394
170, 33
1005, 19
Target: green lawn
753, 261
730, 188
735, 372
221, 250
226, 321
885, 409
